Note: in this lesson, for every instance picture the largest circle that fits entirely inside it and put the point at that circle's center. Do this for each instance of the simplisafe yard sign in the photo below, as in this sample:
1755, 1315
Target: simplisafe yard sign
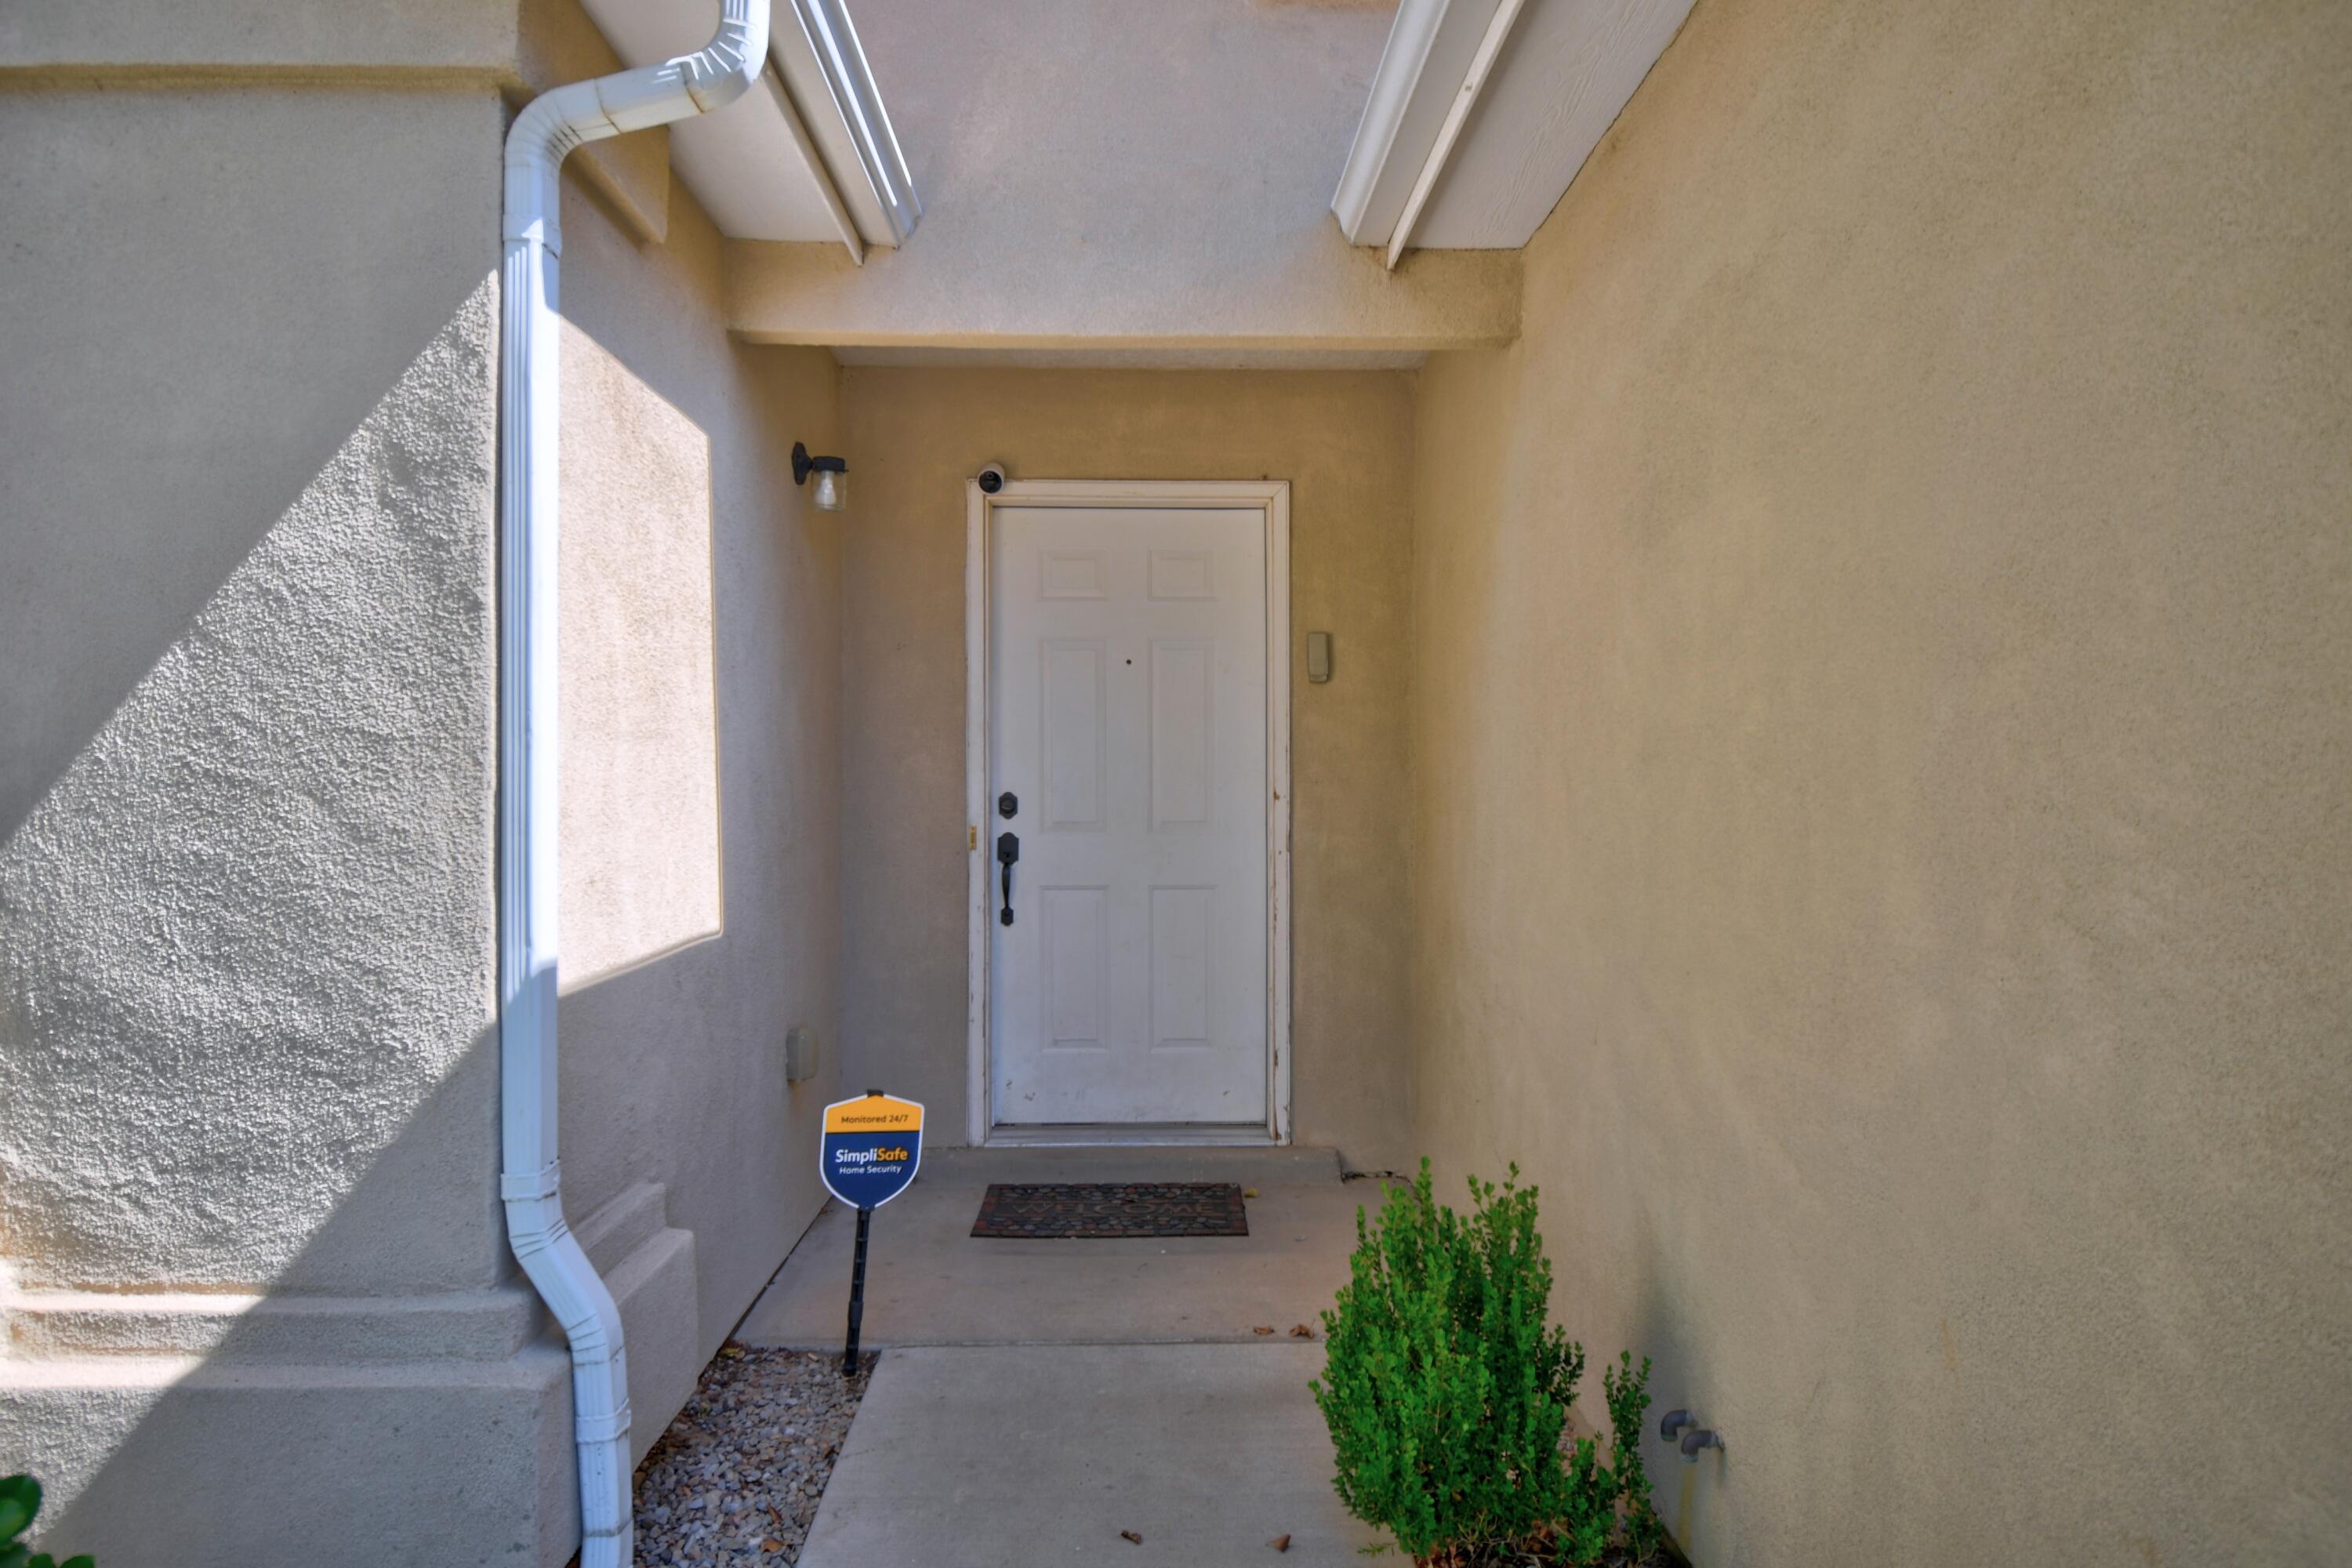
871, 1148
873, 1145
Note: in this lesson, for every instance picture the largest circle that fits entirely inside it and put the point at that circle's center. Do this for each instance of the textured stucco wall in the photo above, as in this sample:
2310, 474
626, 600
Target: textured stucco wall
1881, 733
707, 613
250, 1136
245, 506
420, 44
515, 48
1345, 442
255, 1293
421, 39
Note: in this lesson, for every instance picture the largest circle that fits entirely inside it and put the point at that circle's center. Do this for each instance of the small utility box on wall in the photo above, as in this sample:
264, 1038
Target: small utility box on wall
1318, 656
800, 1054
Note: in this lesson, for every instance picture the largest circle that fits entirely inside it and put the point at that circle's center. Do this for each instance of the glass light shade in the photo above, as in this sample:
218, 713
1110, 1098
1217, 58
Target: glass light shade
832, 492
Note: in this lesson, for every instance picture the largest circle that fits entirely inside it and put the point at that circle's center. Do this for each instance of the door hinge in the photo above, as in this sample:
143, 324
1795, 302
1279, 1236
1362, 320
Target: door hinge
974, 842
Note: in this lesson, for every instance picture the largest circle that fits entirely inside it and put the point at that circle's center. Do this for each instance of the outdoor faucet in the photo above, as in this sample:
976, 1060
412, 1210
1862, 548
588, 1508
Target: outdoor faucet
1673, 1422
1695, 1439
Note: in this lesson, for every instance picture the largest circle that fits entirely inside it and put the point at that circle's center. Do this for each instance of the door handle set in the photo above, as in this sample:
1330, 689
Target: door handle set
1008, 851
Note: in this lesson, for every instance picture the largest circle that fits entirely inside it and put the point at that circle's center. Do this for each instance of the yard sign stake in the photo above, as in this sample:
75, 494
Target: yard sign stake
871, 1148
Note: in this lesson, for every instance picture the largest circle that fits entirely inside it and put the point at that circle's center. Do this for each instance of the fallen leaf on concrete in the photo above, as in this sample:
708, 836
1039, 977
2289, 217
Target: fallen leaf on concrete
1130, 1536
1249, 1192
1280, 1543
1301, 1331
1262, 1328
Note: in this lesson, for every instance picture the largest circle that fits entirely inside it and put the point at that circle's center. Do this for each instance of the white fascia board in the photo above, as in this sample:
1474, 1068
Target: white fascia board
1430, 52
1457, 115
808, 155
1568, 71
816, 50
1482, 113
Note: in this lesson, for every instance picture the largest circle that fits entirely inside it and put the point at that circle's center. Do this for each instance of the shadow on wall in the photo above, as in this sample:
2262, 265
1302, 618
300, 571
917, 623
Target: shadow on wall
258, 1283
249, 923
1678, 1381
114, 558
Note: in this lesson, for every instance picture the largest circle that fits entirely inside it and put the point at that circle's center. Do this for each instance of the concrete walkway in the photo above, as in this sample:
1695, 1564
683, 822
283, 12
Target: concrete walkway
1036, 1398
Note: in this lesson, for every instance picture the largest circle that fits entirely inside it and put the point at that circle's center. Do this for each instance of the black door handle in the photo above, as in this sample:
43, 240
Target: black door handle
1008, 851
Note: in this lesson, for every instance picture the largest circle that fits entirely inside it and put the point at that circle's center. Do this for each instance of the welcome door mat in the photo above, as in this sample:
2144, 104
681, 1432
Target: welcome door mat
1092, 1210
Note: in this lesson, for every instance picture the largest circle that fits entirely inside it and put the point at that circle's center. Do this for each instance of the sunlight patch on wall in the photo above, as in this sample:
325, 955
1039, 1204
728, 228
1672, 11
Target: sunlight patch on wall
641, 836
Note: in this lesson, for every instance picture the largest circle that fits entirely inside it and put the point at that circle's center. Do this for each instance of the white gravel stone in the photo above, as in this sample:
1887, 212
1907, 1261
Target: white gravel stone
731, 1463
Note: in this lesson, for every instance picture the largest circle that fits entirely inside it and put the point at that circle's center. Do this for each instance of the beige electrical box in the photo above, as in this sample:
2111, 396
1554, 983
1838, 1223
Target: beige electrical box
800, 1054
1318, 656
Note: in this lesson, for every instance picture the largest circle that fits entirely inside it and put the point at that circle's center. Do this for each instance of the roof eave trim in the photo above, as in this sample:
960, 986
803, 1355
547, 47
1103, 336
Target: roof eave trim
825, 75
1438, 55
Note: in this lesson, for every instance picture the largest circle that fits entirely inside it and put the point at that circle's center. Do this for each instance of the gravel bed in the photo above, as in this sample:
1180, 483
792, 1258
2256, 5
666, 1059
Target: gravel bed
736, 1477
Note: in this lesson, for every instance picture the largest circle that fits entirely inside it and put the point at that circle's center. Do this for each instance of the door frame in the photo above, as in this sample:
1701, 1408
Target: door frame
1271, 499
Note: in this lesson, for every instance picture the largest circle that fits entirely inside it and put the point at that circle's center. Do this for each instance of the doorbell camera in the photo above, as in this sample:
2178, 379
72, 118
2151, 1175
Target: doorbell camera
992, 478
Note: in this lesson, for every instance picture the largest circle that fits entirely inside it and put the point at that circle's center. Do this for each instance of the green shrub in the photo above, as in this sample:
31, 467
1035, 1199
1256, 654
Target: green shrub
20, 1500
1628, 1394
1447, 1392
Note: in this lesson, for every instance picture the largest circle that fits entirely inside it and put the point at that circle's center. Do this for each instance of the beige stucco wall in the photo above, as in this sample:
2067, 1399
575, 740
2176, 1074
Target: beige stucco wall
1345, 442
512, 48
701, 689
246, 955
255, 1292
1881, 730
247, 497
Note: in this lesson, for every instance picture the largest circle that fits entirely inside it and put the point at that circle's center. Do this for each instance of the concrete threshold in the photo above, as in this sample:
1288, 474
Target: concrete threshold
930, 1281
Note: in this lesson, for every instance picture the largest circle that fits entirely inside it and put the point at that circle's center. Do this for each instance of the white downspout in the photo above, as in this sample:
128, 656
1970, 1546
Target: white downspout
531, 1181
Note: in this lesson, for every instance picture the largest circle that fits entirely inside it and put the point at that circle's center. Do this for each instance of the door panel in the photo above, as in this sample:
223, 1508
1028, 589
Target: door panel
1074, 715
1128, 705
1183, 702
1077, 972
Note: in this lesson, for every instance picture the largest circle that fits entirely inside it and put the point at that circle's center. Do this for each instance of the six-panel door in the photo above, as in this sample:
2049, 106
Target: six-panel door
1128, 707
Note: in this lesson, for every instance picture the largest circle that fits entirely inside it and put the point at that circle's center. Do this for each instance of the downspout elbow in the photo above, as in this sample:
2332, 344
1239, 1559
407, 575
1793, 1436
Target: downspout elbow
563, 118
724, 69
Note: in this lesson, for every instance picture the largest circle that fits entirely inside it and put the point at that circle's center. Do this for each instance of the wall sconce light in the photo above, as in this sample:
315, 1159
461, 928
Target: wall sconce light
832, 477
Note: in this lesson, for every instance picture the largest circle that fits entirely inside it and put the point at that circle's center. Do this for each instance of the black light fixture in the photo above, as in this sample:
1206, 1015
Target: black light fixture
832, 477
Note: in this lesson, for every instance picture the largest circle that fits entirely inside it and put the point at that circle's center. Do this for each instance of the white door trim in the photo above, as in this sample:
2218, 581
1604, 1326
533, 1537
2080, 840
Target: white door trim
1271, 499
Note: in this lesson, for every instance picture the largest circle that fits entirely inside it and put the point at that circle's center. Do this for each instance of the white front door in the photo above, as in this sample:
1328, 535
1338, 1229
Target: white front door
1128, 706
